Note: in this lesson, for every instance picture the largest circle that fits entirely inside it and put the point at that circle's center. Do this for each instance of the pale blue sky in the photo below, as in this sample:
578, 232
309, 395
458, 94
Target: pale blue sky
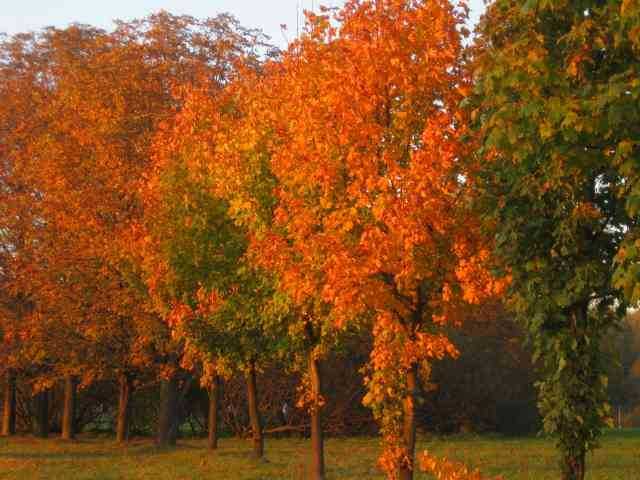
25, 15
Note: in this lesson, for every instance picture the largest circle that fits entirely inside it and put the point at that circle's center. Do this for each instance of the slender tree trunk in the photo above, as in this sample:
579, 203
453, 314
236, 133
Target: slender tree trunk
409, 425
181, 403
573, 465
254, 414
167, 420
122, 426
9, 406
213, 412
41, 414
69, 408
317, 441
574, 468
176, 421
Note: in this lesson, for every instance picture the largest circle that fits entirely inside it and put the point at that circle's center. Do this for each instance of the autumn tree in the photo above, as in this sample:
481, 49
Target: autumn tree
8, 318
553, 112
342, 159
228, 137
369, 189
98, 99
62, 270
21, 94
217, 302
180, 51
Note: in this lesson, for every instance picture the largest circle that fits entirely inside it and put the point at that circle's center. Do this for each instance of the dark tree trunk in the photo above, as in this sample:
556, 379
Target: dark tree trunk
317, 442
213, 412
254, 414
167, 420
573, 465
41, 414
69, 407
9, 406
409, 423
181, 404
573, 468
122, 426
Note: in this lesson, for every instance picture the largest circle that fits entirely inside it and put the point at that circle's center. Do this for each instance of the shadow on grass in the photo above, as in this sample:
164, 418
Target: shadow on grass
32, 448
52, 455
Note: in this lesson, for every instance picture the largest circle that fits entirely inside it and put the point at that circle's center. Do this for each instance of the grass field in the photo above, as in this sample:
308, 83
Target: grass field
99, 458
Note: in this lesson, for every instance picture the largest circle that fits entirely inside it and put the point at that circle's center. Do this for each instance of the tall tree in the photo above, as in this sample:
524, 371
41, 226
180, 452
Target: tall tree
214, 300
225, 137
20, 123
342, 158
551, 101
369, 193
96, 101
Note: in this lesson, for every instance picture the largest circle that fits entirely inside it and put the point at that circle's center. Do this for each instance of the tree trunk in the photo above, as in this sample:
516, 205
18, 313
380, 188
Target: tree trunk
317, 442
181, 403
573, 468
41, 414
69, 408
9, 406
167, 420
122, 427
573, 465
409, 425
254, 414
213, 413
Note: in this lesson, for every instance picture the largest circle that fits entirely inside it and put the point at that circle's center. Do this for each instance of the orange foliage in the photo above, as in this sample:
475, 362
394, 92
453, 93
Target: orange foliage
82, 109
443, 469
343, 161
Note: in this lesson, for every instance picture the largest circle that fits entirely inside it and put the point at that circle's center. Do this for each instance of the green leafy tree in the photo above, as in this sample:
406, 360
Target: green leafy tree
548, 109
619, 114
216, 302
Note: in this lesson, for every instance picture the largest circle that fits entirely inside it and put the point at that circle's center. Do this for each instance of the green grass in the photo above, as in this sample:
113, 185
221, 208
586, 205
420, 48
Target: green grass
354, 458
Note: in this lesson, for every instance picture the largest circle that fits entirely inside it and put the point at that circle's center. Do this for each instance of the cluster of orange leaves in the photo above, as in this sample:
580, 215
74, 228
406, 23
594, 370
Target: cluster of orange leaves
443, 469
392, 356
